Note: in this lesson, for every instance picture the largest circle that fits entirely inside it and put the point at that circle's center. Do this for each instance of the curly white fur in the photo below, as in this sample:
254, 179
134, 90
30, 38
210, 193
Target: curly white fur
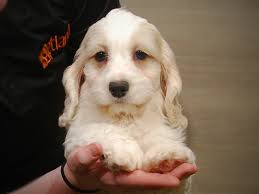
146, 126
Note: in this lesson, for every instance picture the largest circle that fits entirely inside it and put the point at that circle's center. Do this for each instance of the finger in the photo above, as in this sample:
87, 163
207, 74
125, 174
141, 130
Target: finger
140, 178
166, 166
184, 170
84, 157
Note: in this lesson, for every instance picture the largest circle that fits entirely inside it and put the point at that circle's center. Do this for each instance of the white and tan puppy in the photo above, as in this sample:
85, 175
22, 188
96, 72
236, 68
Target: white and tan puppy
122, 92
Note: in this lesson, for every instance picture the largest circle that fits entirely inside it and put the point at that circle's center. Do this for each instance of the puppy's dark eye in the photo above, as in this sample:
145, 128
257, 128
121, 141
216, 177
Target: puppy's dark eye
140, 55
101, 56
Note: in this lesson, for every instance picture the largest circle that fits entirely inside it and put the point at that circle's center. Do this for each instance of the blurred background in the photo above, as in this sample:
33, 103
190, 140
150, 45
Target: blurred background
216, 44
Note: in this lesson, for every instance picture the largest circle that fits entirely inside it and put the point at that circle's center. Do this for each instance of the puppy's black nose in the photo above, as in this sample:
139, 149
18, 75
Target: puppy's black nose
119, 89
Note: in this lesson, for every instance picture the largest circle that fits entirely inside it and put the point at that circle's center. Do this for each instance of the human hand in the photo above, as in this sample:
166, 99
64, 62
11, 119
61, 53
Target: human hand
85, 170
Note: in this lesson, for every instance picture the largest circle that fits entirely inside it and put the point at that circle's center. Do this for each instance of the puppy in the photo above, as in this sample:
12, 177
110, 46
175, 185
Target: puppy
122, 92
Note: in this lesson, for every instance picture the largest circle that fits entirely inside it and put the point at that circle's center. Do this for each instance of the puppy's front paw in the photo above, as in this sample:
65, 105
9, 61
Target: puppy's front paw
165, 157
123, 155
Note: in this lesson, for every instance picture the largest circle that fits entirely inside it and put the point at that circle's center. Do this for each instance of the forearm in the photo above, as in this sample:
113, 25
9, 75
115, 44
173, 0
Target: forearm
49, 183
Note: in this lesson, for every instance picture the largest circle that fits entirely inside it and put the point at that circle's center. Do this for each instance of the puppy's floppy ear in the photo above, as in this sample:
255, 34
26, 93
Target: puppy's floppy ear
71, 82
171, 86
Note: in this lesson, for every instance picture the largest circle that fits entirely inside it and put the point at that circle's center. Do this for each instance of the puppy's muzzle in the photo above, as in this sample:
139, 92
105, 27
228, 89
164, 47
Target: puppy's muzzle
119, 89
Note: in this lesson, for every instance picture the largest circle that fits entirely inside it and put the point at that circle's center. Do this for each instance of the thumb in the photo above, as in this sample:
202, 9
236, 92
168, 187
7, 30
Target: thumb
184, 170
83, 157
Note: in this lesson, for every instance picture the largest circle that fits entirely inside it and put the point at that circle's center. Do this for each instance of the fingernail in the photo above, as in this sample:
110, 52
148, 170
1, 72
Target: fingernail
95, 149
195, 168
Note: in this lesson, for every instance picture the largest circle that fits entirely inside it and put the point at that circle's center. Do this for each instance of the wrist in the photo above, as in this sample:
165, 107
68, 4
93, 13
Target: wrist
69, 175
58, 185
72, 182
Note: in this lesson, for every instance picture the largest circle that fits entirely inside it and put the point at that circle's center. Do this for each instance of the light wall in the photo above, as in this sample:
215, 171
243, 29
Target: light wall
217, 49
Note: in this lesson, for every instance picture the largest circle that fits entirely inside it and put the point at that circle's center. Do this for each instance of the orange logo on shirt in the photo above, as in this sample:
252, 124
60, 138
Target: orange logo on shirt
54, 44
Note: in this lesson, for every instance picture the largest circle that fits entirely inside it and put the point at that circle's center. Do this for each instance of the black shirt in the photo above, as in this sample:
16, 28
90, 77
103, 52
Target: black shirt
38, 40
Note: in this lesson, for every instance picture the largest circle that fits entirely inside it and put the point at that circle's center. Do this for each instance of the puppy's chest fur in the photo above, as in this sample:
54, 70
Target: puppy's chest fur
135, 125
138, 128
